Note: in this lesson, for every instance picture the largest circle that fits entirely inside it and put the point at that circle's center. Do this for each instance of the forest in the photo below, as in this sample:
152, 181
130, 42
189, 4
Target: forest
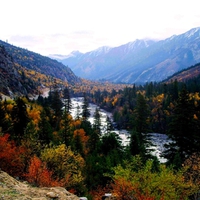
41, 143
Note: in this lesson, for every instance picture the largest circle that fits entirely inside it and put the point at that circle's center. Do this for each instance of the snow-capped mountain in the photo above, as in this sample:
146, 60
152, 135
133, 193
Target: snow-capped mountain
139, 61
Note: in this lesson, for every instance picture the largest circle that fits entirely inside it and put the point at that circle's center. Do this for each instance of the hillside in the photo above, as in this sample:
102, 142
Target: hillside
139, 61
23, 71
12, 189
11, 81
39, 63
186, 74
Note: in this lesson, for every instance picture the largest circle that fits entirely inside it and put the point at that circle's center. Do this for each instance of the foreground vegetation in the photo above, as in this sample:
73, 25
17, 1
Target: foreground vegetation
40, 141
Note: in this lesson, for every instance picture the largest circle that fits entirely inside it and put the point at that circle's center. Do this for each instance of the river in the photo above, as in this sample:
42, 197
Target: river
158, 140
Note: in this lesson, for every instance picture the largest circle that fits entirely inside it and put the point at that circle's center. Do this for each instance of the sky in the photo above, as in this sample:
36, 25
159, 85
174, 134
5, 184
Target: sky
62, 26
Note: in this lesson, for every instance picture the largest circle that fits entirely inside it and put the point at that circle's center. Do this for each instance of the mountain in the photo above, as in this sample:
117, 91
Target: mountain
139, 61
11, 80
186, 74
39, 63
22, 72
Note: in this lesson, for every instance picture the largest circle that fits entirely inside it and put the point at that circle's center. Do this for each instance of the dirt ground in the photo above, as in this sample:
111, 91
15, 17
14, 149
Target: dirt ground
12, 189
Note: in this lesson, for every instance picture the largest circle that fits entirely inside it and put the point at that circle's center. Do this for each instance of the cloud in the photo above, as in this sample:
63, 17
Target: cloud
62, 26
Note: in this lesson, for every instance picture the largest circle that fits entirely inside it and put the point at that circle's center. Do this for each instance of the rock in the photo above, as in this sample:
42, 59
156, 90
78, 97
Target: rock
12, 189
52, 195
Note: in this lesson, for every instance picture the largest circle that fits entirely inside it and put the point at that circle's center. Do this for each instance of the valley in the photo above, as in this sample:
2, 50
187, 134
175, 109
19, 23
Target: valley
136, 113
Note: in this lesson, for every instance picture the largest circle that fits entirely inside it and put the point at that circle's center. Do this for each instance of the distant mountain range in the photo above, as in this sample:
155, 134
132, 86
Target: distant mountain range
139, 61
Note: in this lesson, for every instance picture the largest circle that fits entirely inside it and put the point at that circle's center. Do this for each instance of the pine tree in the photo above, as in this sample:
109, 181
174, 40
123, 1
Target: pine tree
56, 105
182, 129
97, 121
66, 131
67, 100
85, 108
109, 126
139, 136
45, 130
141, 115
19, 118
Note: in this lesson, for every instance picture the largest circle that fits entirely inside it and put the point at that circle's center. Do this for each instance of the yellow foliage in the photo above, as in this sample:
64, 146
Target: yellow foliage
9, 107
34, 114
65, 164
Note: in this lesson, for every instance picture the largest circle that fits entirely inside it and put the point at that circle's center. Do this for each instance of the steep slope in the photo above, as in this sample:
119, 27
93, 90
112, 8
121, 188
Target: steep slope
11, 81
139, 61
41, 64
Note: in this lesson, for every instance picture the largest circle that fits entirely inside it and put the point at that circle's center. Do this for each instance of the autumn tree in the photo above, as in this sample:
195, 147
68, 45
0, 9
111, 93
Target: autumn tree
11, 156
39, 175
192, 173
80, 141
65, 164
133, 180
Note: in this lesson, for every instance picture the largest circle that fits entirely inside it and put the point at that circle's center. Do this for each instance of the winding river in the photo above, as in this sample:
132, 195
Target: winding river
158, 140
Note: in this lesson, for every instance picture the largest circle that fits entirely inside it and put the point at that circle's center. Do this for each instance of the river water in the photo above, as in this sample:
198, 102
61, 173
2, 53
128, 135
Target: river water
158, 140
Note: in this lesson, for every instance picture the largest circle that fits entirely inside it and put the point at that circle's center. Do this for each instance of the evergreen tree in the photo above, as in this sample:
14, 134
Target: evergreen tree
85, 108
4, 123
45, 130
67, 100
141, 115
56, 105
66, 131
139, 137
111, 142
19, 118
181, 130
137, 145
109, 126
97, 121
78, 112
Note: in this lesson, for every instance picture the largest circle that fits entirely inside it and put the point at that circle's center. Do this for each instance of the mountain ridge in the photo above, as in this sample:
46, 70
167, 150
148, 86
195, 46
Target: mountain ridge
39, 63
139, 61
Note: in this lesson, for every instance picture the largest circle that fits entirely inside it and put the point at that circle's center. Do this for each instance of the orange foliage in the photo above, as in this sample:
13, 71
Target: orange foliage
122, 189
99, 192
39, 175
11, 157
83, 137
77, 123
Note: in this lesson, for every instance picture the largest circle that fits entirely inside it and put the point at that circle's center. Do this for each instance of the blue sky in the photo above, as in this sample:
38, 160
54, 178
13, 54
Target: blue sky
62, 26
